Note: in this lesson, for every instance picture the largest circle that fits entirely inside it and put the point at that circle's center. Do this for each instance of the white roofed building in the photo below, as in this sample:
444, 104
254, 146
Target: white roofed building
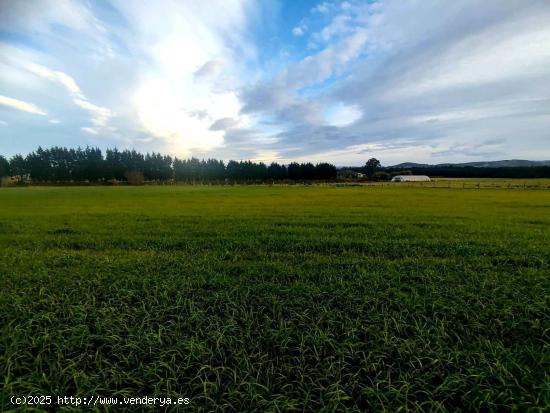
411, 178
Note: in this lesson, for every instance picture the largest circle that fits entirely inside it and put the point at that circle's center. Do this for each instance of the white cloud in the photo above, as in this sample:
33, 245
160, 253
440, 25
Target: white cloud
21, 105
482, 59
323, 8
345, 5
3, 123
100, 115
54, 121
297, 31
341, 24
89, 130
46, 17
317, 68
342, 115
58, 77
301, 28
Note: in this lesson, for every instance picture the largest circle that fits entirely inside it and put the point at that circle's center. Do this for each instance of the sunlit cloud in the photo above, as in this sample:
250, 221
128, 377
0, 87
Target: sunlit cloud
99, 115
190, 84
184, 123
56, 76
89, 130
267, 157
342, 115
20, 105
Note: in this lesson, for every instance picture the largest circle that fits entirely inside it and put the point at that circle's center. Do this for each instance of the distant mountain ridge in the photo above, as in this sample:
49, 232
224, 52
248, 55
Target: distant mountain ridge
507, 163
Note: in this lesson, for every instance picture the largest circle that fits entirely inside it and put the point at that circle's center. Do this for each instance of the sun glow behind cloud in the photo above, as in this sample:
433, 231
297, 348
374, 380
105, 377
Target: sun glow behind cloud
182, 116
189, 84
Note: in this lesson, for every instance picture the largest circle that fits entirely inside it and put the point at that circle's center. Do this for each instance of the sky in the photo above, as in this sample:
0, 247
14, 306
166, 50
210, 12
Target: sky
279, 80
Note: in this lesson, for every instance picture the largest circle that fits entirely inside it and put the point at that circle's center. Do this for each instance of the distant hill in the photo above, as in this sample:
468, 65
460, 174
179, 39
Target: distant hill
407, 165
484, 164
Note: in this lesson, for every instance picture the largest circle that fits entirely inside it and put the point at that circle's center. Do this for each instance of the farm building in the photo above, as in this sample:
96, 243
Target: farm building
411, 178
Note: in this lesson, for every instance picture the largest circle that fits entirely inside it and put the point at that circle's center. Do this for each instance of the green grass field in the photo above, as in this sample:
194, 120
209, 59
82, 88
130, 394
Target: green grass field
278, 299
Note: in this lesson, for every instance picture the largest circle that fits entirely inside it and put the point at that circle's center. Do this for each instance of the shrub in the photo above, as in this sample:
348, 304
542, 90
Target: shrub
381, 176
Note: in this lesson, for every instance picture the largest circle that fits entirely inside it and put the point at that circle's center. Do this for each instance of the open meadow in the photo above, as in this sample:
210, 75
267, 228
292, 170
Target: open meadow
278, 298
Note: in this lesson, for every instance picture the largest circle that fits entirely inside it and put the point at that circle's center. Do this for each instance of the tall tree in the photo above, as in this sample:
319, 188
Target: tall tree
325, 171
114, 165
294, 171
308, 171
39, 165
4, 167
18, 166
276, 171
132, 161
371, 166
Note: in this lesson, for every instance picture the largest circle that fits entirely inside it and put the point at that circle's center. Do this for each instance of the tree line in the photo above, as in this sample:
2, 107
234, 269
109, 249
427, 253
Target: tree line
60, 164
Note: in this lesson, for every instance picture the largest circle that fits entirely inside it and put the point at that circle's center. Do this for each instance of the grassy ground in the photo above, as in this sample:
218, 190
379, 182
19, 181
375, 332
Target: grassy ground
278, 298
468, 183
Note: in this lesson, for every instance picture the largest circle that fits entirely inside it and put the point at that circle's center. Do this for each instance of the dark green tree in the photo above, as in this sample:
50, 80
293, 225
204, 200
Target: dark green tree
38, 164
4, 167
294, 171
308, 171
276, 171
114, 165
325, 171
371, 166
18, 166
132, 162
381, 176
157, 167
